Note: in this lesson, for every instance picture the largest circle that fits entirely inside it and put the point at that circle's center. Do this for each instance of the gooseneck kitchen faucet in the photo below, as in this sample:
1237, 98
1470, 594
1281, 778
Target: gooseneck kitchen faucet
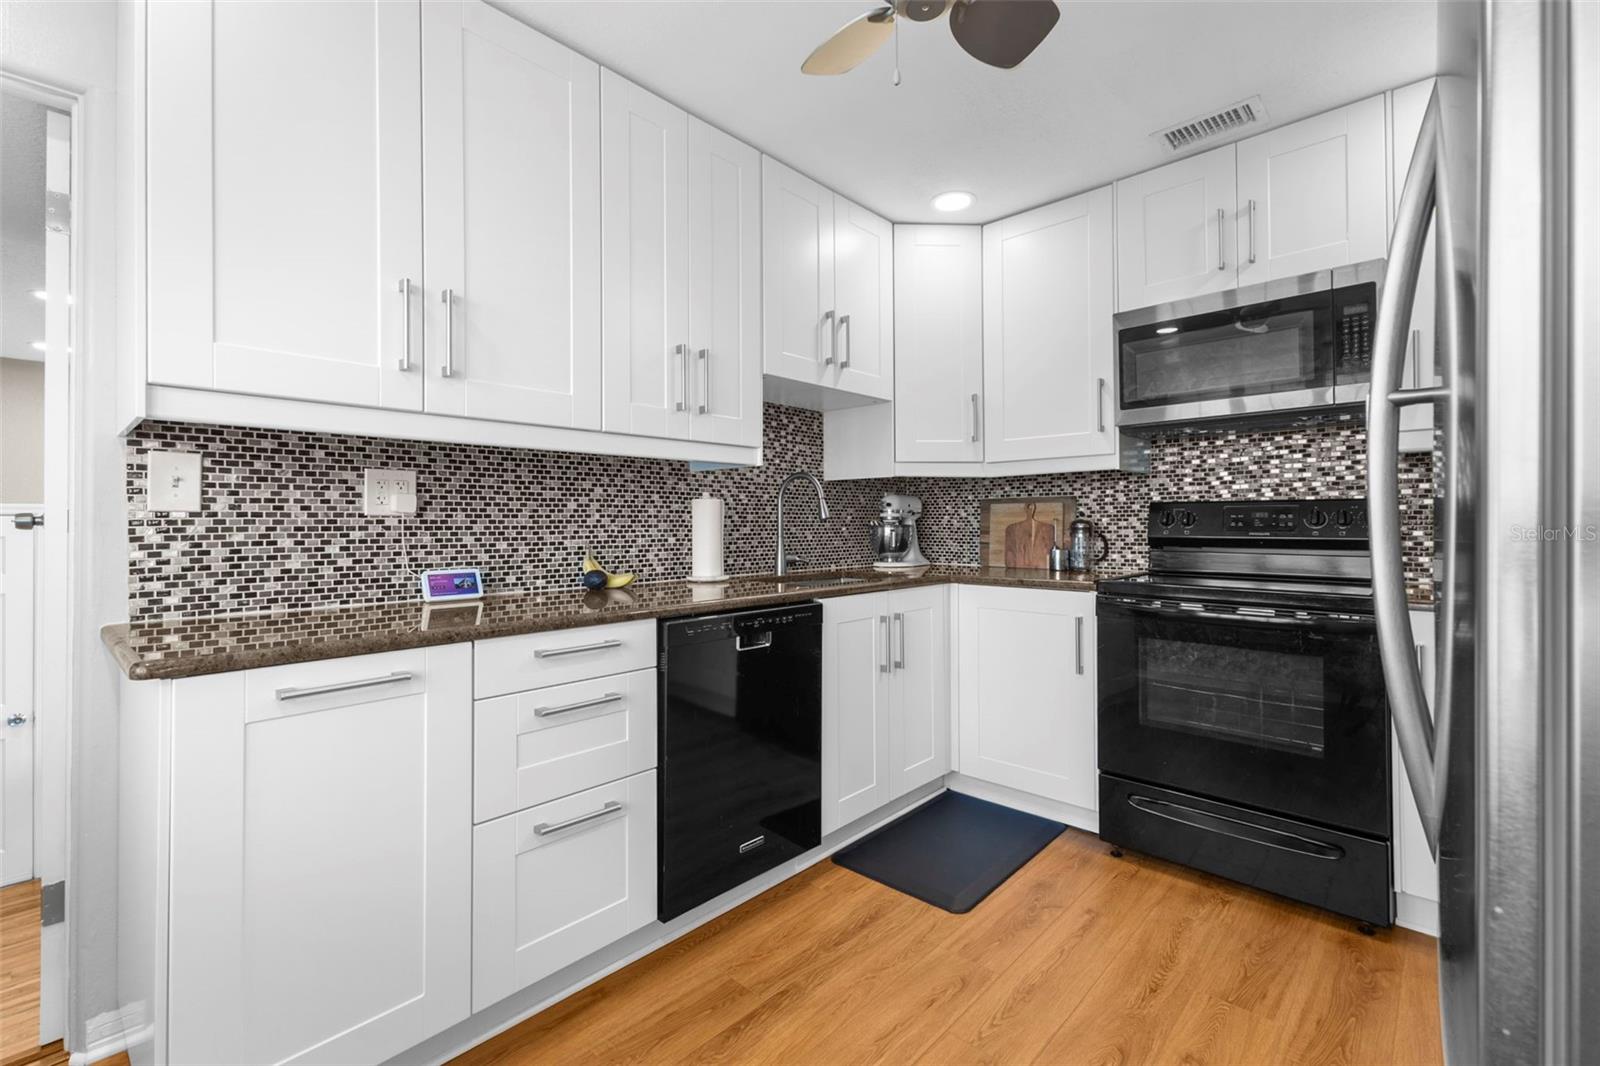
822, 512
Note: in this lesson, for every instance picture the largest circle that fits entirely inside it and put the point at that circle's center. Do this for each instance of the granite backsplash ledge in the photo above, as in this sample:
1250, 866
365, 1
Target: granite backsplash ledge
281, 527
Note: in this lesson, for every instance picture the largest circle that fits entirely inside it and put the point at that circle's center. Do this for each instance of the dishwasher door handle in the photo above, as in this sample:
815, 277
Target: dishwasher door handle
764, 640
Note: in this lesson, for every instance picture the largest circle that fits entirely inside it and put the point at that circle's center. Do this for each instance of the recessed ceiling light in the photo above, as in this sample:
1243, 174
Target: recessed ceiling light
1167, 329
953, 201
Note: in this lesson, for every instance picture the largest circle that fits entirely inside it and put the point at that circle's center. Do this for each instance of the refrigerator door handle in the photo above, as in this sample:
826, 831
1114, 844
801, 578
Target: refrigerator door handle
1414, 726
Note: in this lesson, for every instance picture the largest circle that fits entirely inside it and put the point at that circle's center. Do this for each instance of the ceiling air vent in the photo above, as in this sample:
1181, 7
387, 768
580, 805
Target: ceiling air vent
1205, 127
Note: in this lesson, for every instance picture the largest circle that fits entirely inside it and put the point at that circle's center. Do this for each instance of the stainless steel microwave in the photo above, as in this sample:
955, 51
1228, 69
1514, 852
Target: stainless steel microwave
1295, 346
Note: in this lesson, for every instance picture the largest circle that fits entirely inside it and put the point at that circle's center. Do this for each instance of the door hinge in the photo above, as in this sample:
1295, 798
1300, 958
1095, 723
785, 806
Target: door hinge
58, 212
53, 903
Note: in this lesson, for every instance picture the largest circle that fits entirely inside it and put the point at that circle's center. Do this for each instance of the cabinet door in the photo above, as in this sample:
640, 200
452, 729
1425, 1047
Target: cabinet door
284, 214
1407, 106
321, 859
1415, 871
938, 313
724, 287
855, 708
511, 124
1027, 691
863, 283
919, 688
1047, 337
1311, 195
797, 316
644, 259
1176, 232
559, 881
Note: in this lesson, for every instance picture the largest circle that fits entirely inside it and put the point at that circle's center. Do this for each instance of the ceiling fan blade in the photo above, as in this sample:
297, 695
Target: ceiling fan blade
855, 41
1002, 33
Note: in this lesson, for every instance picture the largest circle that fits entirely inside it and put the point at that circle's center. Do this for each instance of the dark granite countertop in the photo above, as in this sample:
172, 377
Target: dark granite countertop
191, 647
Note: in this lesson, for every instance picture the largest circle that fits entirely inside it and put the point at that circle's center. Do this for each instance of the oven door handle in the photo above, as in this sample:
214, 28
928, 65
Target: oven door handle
1233, 827
1219, 616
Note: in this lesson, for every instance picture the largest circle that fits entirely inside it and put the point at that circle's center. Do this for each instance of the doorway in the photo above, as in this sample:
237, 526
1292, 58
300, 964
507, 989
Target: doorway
37, 169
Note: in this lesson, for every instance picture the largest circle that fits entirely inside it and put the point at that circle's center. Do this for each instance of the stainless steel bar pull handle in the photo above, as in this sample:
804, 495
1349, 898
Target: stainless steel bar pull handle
1252, 231
555, 653
1415, 355
1222, 261
900, 647
1077, 640
682, 352
448, 298
566, 708
285, 694
705, 381
977, 419
1100, 405
830, 334
405, 327
844, 324
546, 828
1423, 744
883, 627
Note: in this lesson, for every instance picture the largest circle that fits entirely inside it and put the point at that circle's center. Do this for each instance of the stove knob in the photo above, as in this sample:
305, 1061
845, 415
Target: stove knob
1189, 518
1166, 518
1343, 517
1316, 518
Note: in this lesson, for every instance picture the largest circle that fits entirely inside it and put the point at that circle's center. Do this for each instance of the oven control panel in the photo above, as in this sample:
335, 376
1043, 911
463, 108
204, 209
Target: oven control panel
1338, 519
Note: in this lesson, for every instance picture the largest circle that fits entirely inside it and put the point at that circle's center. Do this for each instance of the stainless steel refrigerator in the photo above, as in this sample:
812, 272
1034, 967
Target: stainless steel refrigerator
1507, 777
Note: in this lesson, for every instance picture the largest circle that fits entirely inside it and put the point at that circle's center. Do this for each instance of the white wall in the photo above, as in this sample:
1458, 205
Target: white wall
73, 46
21, 431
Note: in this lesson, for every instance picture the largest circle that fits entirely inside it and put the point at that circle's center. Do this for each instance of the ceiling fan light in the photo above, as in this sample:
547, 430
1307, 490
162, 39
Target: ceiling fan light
954, 200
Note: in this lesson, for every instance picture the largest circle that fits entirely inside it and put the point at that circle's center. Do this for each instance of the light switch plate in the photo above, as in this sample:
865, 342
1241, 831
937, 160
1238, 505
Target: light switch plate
172, 481
388, 492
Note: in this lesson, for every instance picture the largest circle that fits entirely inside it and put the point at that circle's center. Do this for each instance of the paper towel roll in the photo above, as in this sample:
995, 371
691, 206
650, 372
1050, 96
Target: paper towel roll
707, 528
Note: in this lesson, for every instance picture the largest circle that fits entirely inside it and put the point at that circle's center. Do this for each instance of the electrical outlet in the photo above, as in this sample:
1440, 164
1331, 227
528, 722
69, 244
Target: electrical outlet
389, 492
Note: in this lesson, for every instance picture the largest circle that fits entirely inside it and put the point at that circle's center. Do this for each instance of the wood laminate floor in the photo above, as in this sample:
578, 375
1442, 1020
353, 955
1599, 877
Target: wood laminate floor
1078, 958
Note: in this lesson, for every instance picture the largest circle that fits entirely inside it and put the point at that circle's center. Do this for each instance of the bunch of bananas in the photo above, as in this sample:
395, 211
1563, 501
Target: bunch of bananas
596, 576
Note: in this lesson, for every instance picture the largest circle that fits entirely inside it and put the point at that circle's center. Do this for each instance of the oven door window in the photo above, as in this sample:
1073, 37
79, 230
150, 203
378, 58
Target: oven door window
1283, 346
1286, 717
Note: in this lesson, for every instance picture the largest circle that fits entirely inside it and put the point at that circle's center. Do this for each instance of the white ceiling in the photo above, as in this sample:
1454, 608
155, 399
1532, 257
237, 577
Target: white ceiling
22, 142
1076, 114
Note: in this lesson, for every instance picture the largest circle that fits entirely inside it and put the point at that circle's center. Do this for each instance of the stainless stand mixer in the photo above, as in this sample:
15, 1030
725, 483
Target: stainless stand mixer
894, 534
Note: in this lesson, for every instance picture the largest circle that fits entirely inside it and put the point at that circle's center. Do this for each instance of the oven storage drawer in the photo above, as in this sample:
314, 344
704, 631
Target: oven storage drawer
1338, 871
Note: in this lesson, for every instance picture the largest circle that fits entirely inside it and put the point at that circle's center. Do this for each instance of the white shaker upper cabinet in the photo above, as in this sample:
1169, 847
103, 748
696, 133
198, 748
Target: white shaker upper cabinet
938, 384
1312, 194
644, 225
284, 212
1048, 344
1175, 231
798, 315
512, 205
724, 287
863, 282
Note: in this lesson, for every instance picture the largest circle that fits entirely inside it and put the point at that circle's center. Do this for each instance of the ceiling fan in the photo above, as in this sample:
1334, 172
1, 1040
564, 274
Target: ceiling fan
1001, 33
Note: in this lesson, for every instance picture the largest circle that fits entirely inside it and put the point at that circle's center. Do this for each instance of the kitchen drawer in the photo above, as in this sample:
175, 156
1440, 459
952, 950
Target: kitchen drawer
300, 688
532, 747
514, 664
560, 881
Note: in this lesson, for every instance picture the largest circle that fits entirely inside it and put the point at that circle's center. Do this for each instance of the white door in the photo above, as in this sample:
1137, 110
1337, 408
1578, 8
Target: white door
1176, 231
724, 287
855, 708
1027, 691
644, 259
321, 862
938, 374
1048, 346
863, 286
16, 702
797, 309
1311, 195
511, 181
919, 688
559, 881
1407, 105
284, 208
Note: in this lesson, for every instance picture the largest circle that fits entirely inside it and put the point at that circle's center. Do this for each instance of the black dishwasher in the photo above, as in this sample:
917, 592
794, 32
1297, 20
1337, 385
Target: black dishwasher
741, 748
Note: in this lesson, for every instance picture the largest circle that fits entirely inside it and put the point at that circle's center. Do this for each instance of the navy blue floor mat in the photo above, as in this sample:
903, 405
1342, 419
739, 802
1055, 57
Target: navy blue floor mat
952, 851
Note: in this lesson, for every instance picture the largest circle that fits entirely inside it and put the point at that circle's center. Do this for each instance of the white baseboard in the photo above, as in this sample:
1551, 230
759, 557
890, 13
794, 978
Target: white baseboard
1075, 816
1415, 912
107, 1034
524, 1004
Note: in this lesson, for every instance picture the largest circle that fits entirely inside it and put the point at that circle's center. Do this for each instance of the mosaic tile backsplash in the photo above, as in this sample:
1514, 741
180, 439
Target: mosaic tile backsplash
282, 529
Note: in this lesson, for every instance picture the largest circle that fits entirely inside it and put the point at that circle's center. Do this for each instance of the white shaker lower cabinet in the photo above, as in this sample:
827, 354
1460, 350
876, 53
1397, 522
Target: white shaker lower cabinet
320, 858
1027, 691
885, 699
559, 881
1416, 874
